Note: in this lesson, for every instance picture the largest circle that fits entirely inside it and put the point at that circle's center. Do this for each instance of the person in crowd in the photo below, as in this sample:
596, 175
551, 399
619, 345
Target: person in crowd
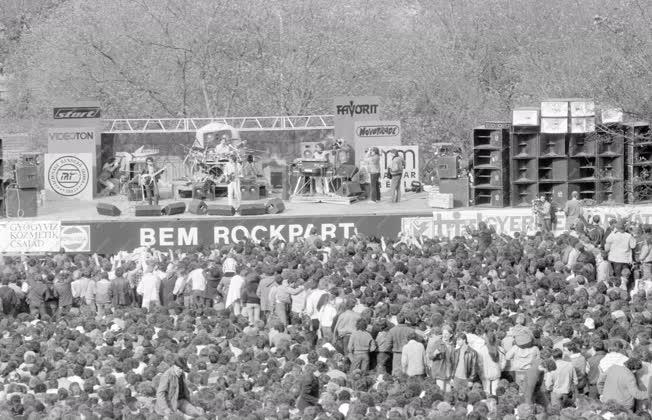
398, 336
360, 345
346, 324
440, 354
148, 287
413, 356
326, 313
491, 359
373, 165
172, 394
234, 290
619, 385
251, 301
465, 363
619, 244
561, 381
120, 291
573, 210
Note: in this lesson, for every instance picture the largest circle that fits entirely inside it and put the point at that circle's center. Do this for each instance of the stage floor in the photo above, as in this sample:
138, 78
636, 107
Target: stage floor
85, 211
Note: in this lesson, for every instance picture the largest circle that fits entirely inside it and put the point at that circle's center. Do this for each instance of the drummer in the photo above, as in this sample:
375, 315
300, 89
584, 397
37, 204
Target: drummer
107, 177
224, 149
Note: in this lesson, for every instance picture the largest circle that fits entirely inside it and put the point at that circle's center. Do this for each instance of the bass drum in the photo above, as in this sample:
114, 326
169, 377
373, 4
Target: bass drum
216, 171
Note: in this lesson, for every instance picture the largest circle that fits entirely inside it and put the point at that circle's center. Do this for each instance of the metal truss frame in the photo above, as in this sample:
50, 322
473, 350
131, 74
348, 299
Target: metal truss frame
189, 125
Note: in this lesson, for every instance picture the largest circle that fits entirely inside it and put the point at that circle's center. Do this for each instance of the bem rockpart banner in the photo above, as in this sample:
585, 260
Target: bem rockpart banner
348, 110
375, 133
410, 155
112, 236
70, 175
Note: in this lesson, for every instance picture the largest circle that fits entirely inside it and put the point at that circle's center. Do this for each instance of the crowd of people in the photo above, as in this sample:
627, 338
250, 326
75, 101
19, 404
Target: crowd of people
481, 326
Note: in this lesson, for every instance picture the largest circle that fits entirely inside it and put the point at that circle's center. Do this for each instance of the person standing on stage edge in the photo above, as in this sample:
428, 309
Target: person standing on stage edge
150, 177
374, 174
233, 171
396, 171
573, 210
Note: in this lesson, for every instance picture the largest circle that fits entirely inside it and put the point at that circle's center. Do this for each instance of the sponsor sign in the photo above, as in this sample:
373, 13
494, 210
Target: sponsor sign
76, 238
375, 133
410, 155
451, 223
348, 110
74, 113
73, 140
70, 175
110, 237
30, 236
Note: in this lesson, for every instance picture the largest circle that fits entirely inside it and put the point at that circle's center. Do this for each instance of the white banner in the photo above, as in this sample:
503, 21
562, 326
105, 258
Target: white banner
30, 236
70, 175
451, 223
411, 156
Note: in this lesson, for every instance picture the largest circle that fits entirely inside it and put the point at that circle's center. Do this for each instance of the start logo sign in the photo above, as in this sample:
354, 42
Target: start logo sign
70, 175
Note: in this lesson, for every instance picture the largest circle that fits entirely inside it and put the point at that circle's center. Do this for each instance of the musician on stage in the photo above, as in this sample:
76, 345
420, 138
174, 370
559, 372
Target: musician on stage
224, 149
321, 155
233, 171
149, 180
107, 177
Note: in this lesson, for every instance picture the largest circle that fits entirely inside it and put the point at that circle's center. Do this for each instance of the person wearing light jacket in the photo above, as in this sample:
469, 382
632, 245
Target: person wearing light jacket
619, 384
491, 359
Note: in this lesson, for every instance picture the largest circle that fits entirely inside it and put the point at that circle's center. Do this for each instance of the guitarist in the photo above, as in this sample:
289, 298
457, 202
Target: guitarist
149, 179
233, 171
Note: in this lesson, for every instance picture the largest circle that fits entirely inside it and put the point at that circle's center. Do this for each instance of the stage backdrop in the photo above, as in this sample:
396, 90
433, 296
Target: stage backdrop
375, 133
70, 175
411, 156
348, 110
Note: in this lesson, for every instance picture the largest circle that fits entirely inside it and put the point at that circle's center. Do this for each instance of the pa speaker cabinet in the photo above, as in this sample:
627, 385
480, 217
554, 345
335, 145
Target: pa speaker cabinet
459, 188
252, 209
220, 210
197, 207
249, 192
21, 202
106, 209
26, 176
447, 167
142, 211
349, 189
275, 206
174, 208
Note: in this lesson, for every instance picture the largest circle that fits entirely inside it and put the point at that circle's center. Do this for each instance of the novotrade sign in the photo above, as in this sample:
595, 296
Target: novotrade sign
75, 113
353, 109
378, 131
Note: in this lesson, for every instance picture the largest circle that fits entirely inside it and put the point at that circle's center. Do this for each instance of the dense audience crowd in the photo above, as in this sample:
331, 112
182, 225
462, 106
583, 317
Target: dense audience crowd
482, 326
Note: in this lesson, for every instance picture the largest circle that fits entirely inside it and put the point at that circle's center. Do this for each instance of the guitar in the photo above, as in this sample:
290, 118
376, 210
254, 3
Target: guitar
146, 179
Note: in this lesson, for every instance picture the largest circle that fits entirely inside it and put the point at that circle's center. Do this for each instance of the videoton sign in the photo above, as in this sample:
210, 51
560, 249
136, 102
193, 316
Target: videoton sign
73, 113
71, 135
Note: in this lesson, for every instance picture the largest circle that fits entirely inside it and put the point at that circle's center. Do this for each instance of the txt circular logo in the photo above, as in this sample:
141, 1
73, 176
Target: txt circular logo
68, 176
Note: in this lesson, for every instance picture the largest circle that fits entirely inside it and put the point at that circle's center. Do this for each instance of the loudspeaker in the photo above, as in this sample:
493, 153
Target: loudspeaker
349, 189
174, 208
106, 209
346, 171
26, 176
253, 209
447, 167
21, 202
220, 210
459, 188
197, 207
275, 205
249, 192
148, 211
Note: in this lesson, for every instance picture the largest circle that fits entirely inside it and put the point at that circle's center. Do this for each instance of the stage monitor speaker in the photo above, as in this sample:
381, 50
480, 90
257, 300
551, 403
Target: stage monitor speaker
148, 211
447, 167
253, 209
349, 189
174, 208
106, 209
346, 171
275, 206
220, 210
26, 176
459, 188
21, 202
197, 207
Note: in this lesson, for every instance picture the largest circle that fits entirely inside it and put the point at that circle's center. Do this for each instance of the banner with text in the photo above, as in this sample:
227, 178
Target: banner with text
375, 133
30, 236
349, 109
451, 223
410, 155
73, 140
111, 237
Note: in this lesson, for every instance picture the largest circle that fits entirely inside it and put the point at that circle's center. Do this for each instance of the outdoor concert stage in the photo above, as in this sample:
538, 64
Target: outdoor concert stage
84, 230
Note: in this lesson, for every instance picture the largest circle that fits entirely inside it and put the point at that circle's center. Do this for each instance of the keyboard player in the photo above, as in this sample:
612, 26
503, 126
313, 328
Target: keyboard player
320, 183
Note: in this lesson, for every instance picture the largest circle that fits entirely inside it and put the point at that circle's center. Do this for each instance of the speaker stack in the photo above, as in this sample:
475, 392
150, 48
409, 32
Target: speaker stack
21, 200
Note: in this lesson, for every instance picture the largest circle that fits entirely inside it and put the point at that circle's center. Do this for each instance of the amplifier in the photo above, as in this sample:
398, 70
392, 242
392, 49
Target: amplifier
249, 192
21, 202
220, 210
26, 176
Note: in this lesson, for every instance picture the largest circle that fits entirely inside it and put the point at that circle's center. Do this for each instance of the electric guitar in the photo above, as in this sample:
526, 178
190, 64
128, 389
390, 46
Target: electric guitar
146, 179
